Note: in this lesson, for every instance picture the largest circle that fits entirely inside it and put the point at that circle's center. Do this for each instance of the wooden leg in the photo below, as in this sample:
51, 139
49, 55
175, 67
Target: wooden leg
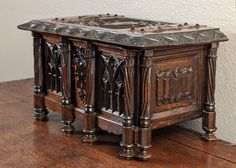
127, 142
90, 115
67, 118
209, 125
90, 127
40, 114
67, 111
144, 138
39, 107
209, 114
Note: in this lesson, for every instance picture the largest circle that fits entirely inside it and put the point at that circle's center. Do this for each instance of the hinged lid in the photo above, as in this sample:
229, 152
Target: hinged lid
125, 31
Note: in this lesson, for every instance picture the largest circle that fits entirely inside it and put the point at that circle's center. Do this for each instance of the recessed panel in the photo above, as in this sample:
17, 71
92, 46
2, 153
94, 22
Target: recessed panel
176, 81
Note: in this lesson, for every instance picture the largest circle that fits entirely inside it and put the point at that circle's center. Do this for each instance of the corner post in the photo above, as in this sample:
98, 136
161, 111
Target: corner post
39, 107
145, 131
90, 115
67, 110
127, 142
209, 114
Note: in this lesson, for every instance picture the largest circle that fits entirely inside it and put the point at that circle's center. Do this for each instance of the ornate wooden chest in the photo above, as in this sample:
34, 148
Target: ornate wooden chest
126, 76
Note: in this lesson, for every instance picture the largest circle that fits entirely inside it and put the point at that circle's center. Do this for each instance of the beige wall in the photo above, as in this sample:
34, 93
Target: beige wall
16, 46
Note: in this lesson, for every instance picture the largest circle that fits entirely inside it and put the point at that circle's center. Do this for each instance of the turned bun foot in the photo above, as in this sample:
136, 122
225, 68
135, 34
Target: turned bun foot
143, 154
127, 152
40, 114
68, 129
89, 137
209, 137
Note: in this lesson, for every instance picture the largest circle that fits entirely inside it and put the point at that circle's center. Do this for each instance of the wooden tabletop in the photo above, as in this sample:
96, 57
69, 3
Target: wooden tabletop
25, 143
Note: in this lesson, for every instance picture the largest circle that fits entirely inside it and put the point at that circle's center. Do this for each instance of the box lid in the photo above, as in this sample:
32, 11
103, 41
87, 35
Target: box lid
126, 31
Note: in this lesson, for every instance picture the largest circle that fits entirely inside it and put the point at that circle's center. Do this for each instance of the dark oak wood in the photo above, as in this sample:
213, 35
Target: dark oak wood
39, 87
66, 102
127, 142
144, 139
24, 143
209, 114
90, 115
128, 32
126, 76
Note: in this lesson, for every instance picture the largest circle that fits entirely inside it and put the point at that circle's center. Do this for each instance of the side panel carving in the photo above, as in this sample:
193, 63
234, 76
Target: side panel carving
112, 83
53, 58
177, 81
174, 85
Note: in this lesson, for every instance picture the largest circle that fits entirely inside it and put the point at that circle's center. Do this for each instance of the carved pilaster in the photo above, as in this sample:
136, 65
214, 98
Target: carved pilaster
67, 111
144, 139
127, 142
209, 114
90, 115
39, 107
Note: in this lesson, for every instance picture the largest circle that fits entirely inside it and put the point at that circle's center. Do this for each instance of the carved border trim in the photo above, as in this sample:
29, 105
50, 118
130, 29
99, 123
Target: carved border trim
140, 40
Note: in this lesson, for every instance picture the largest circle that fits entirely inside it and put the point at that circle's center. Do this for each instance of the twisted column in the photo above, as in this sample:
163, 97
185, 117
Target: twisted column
209, 114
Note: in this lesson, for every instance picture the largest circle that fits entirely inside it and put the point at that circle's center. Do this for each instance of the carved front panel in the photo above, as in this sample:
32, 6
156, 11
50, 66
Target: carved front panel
177, 81
79, 70
110, 84
53, 69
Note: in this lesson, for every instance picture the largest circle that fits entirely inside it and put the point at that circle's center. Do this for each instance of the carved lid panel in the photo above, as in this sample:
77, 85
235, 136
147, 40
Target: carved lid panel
125, 31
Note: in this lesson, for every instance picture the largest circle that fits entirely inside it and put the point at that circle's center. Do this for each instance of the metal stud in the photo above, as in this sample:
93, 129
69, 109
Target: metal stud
197, 26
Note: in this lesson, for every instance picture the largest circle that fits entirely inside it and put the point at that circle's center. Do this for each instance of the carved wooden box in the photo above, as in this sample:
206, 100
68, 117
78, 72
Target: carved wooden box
127, 76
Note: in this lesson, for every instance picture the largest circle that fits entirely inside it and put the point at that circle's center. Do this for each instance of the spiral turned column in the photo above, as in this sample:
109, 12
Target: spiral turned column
209, 114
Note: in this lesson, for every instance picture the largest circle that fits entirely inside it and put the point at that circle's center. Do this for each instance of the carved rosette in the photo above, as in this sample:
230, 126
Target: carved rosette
209, 114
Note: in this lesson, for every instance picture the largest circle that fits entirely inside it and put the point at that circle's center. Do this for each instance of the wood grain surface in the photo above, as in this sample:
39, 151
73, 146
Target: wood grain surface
26, 143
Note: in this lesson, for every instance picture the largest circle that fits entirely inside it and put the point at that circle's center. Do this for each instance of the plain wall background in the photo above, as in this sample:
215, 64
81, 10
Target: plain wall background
16, 60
